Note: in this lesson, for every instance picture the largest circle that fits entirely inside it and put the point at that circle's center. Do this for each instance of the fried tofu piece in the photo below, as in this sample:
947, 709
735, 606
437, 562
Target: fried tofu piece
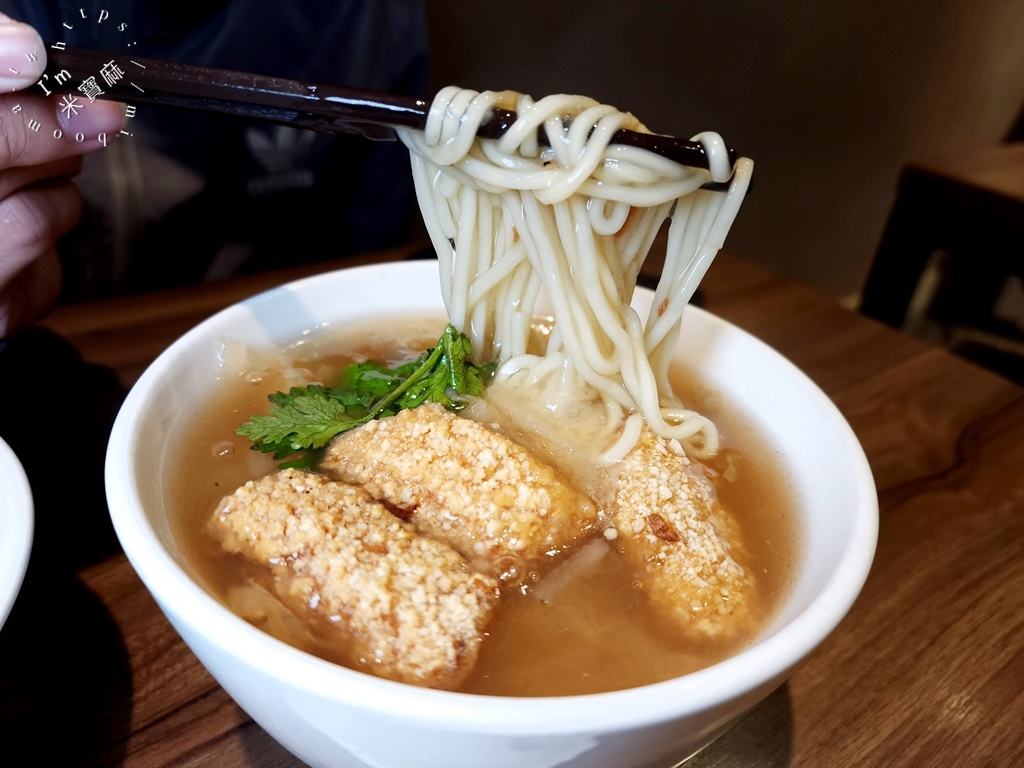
670, 525
410, 607
459, 482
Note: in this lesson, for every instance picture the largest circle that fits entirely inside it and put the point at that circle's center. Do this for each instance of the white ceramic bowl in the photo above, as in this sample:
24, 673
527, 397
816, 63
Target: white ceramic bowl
16, 525
331, 716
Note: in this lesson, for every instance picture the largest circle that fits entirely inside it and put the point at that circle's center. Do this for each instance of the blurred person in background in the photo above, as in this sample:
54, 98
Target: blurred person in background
192, 196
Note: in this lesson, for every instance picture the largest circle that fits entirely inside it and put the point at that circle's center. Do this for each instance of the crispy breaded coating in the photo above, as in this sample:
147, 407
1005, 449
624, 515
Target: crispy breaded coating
463, 484
411, 607
667, 521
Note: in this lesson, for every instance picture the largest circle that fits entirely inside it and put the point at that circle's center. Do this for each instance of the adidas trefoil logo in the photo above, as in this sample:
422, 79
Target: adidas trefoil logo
280, 151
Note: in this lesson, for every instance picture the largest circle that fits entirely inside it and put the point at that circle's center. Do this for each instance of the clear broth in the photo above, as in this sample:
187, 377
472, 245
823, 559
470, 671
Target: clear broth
598, 635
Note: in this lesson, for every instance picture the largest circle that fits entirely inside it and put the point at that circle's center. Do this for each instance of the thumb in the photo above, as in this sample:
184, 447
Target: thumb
22, 55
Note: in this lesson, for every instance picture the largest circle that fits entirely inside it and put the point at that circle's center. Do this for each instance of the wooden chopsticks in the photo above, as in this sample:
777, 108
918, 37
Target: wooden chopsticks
319, 107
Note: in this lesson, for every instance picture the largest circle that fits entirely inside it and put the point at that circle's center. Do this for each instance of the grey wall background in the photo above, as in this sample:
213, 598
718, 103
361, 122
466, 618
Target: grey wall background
828, 98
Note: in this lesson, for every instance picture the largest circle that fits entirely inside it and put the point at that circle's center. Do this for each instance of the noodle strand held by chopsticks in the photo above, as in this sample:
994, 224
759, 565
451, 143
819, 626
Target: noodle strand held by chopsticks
572, 223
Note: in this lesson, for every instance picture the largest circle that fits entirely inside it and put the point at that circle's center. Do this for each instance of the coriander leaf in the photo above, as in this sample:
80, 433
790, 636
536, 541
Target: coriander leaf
304, 418
438, 387
350, 398
308, 460
370, 381
477, 378
405, 370
307, 418
464, 377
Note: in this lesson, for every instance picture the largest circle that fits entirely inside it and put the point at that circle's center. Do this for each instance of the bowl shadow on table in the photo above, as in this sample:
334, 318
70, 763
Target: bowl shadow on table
261, 751
763, 738
63, 664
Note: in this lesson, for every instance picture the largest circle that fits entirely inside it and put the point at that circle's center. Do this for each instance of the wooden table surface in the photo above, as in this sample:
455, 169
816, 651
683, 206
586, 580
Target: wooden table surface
927, 669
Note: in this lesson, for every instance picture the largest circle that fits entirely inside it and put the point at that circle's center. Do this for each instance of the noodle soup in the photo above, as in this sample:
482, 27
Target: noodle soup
514, 222
598, 632
579, 527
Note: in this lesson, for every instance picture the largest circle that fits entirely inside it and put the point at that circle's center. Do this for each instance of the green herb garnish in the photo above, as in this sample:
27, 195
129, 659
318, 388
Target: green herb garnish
306, 418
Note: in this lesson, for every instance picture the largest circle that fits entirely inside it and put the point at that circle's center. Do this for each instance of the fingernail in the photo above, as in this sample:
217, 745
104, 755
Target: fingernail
22, 55
96, 122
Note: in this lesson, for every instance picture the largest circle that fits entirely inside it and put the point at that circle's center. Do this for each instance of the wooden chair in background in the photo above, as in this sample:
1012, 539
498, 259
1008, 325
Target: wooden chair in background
969, 208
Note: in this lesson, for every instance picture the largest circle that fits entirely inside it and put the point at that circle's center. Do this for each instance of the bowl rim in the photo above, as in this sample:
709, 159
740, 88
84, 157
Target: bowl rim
17, 524
767, 661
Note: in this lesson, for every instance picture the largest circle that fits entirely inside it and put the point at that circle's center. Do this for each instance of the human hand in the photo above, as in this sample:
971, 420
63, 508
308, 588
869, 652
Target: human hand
40, 151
